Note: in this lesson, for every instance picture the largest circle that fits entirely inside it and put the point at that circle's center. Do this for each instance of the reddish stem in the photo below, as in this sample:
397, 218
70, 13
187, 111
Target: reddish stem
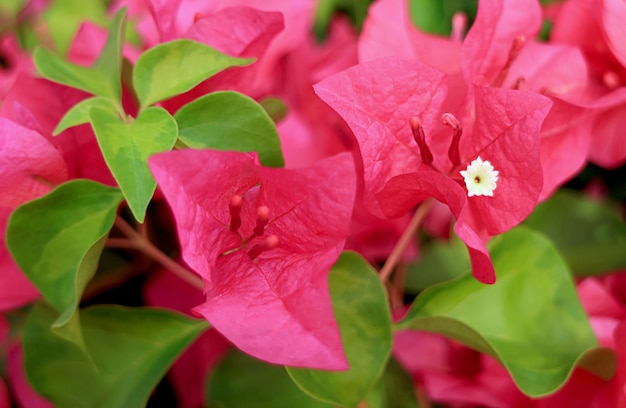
137, 241
404, 240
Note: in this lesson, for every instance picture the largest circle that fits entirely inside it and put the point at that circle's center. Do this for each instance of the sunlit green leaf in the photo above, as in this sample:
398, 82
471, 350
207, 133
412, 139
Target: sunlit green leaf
79, 113
530, 319
362, 312
132, 348
230, 121
175, 67
126, 147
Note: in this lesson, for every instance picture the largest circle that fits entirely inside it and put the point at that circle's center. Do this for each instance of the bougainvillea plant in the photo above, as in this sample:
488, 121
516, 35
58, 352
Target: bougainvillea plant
389, 203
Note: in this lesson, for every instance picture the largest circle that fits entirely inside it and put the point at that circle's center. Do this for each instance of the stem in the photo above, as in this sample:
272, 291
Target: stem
138, 241
404, 240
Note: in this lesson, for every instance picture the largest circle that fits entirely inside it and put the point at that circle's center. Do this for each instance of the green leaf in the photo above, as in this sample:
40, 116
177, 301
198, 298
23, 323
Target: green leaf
275, 108
56, 69
79, 113
530, 319
126, 148
230, 121
591, 236
132, 348
362, 312
395, 389
242, 381
57, 240
103, 78
435, 16
439, 261
175, 67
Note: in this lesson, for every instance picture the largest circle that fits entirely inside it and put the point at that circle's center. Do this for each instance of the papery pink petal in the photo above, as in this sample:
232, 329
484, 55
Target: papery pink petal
404, 191
598, 301
499, 23
277, 306
506, 133
556, 68
21, 389
613, 17
15, 60
389, 31
191, 370
565, 143
608, 148
164, 13
377, 99
29, 164
239, 32
46, 103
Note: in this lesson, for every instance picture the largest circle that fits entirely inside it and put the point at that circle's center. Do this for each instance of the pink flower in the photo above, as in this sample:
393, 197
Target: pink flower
263, 240
393, 106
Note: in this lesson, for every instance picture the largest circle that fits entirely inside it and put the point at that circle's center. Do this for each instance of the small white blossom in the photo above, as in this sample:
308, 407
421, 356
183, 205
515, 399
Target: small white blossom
480, 178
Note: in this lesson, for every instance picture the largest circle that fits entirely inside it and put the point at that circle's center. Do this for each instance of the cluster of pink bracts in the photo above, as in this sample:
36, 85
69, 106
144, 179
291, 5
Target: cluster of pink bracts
414, 109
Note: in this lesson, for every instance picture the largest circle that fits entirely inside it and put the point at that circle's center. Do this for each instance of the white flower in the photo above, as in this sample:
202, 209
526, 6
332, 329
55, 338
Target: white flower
480, 178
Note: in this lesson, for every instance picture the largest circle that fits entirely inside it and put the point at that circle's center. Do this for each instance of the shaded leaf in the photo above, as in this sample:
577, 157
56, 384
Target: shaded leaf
132, 348
439, 261
361, 309
175, 67
530, 319
57, 240
242, 381
590, 236
230, 121
126, 147
395, 389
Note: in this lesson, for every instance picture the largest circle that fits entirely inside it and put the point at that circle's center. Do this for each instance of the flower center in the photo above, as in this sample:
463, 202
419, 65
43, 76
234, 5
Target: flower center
480, 178
270, 241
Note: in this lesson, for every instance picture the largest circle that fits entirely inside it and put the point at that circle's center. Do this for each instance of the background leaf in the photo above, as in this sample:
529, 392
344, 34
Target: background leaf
242, 381
439, 261
395, 389
362, 312
175, 67
57, 240
126, 147
132, 348
530, 319
230, 121
103, 78
590, 235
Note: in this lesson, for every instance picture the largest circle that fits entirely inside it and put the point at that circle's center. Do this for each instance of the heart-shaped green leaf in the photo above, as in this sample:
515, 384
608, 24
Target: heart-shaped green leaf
126, 147
79, 113
394, 389
362, 312
132, 348
57, 240
175, 67
230, 121
242, 381
530, 319
103, 78
591, 236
